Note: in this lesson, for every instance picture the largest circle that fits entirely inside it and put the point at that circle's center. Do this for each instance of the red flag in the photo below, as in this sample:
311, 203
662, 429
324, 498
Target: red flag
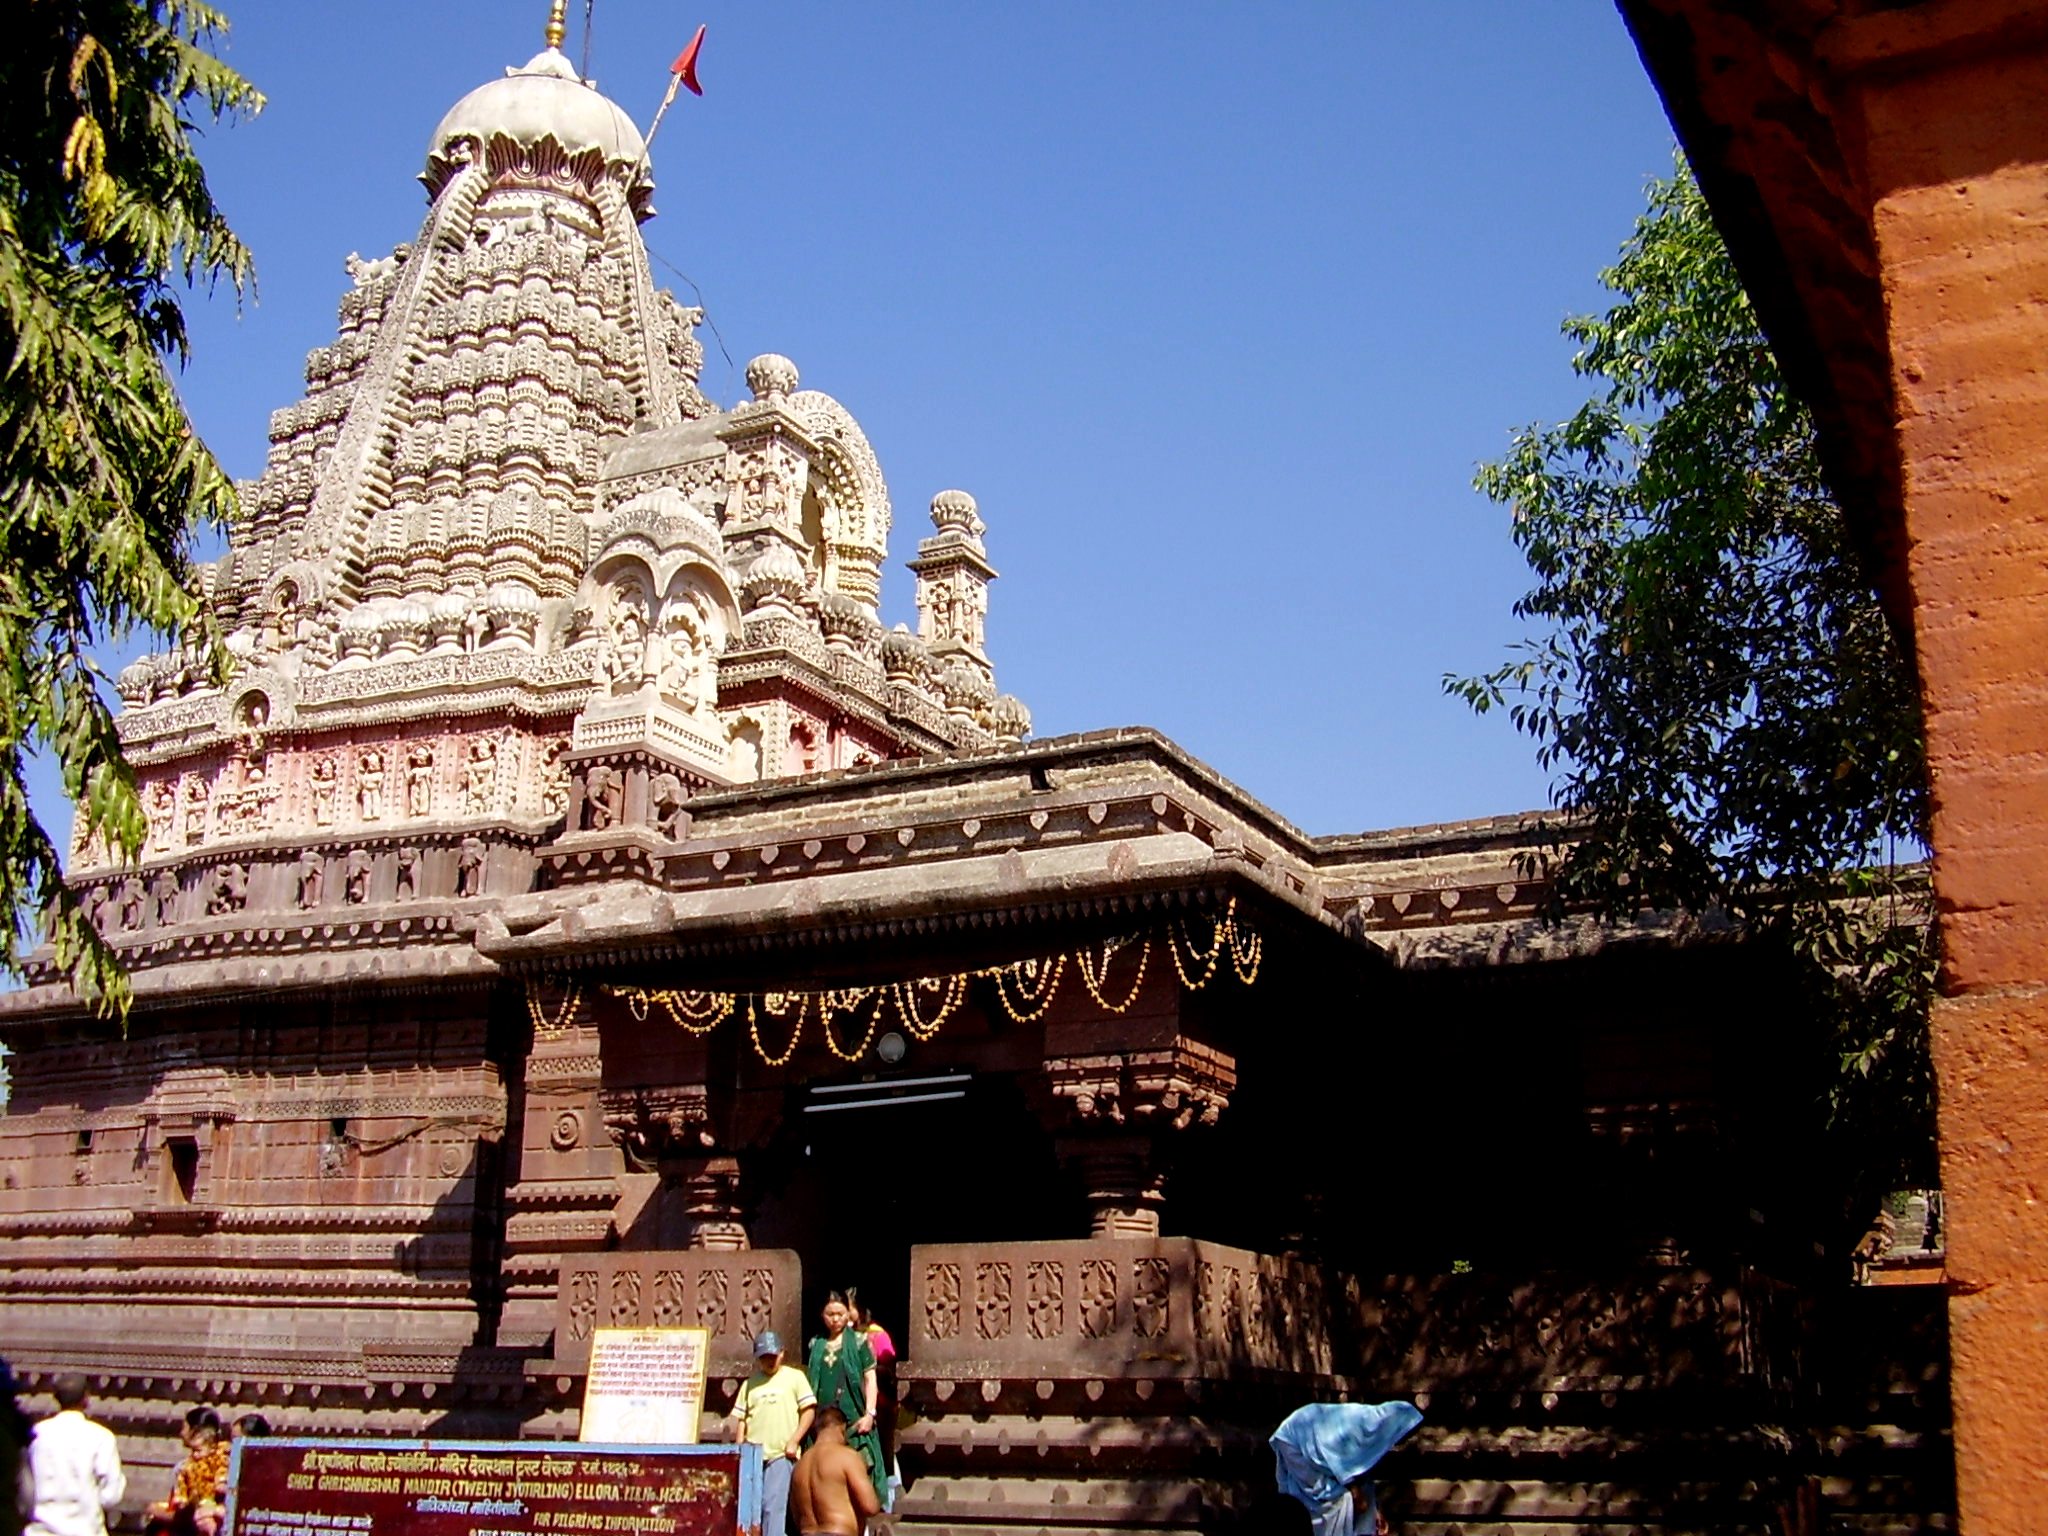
685, 65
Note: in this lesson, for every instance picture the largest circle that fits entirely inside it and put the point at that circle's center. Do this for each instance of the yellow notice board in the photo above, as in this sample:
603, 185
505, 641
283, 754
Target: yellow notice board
646, 1386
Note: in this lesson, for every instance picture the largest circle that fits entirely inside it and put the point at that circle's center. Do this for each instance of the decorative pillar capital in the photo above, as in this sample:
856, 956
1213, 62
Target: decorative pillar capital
1169, 1089
1121, 1113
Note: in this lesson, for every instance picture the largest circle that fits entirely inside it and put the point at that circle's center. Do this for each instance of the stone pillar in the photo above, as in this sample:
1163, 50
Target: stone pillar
1124, 1177
699, 1149
1124, 1112
568, 1183
1880, 172
1959, 164
711, 1199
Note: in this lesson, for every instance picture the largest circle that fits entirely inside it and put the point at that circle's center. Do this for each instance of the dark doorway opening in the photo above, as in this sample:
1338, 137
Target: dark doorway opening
857, 1184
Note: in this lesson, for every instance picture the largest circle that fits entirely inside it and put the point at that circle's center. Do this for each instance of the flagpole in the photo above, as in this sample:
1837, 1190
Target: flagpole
681, 73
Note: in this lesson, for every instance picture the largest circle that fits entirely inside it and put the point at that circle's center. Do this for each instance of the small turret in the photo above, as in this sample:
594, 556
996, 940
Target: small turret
953, 574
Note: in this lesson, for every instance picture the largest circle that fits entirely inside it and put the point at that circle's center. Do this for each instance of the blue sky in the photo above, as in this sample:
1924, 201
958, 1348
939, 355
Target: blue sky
1214, 308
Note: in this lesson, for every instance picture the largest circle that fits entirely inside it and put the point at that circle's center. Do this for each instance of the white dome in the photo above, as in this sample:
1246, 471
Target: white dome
545, 99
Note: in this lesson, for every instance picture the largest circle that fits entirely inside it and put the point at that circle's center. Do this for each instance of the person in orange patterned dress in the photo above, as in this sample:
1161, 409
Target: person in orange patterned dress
199, 1492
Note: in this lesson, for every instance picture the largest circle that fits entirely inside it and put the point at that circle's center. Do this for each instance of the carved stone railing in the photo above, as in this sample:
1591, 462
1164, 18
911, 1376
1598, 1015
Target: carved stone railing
734, 1295
1162, 1308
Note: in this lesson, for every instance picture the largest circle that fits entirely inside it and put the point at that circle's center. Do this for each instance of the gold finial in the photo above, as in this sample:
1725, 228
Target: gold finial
558, 25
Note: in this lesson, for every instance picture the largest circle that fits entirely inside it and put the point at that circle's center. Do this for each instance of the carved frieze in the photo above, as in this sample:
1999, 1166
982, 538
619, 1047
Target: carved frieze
648, 1124
1183, 1085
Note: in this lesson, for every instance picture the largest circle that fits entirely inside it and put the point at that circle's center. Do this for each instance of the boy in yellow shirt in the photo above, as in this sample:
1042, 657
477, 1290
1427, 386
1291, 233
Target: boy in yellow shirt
774, 1411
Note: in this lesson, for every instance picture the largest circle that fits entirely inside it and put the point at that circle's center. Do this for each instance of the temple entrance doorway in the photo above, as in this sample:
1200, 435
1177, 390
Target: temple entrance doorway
868, 1169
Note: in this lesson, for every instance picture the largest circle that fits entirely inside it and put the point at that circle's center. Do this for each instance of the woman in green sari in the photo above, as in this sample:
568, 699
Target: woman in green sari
842, 1372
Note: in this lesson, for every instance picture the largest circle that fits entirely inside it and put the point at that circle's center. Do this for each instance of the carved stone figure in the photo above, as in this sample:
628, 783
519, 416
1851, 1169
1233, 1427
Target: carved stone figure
355, 880
469, 868
312, 879
480, 777
196, 796
474, 623
554, 780
324, 781
163, 812
229, 890
665, 801
370, 784
164, 891
93, 904
629, 642
603, 795
408, 873
128, 908
688, 674
419, 780
285, 617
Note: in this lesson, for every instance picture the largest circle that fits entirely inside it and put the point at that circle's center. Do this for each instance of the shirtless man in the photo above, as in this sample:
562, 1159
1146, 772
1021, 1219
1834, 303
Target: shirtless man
832, 1494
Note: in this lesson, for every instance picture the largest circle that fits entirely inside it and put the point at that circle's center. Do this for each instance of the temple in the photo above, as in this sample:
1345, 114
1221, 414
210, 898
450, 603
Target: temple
578, 909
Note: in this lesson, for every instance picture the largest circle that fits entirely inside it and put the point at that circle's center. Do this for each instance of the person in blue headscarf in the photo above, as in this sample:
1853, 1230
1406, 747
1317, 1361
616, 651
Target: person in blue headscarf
1321, 1454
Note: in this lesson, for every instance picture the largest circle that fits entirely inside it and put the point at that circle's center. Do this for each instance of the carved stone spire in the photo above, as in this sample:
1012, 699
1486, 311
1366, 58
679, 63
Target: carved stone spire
953, 574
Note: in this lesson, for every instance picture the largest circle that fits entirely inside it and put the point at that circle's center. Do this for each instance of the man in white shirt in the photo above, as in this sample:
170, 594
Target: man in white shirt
77, 1469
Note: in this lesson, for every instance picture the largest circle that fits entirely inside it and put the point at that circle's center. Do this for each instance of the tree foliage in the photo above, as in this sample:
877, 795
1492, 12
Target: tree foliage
105, 218
1725, 712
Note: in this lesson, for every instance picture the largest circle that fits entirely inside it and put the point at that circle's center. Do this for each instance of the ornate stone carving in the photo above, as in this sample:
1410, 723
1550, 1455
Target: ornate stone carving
229, 890
1098, 1298
771, 376
648, 1124
1045, 1301
355, 880
419, 780
408, 880
469, 867
625, 1308
671, 1299
1150, 1294
992, 1300
554, 779
312, 879
164, 892
603, 796
1186, 1084
370, 784
941, 1300
163, 813
480, 777
582, 1303
711, 1301
325, 778
197, 794
665, 804
757, 1301
128, 904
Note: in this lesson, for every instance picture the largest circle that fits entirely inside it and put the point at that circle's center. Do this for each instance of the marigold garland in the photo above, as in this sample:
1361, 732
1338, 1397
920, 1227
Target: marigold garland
1025, 990
544, 1027
768, 1004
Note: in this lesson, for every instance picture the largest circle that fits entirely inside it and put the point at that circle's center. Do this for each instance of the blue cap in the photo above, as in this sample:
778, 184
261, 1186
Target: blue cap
766, 1343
